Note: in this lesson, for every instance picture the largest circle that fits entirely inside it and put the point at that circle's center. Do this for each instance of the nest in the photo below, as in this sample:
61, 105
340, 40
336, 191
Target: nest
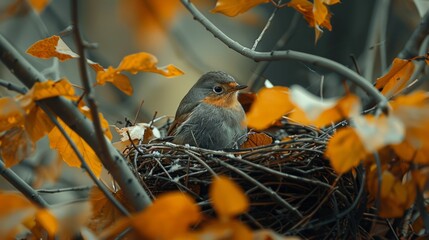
291, 186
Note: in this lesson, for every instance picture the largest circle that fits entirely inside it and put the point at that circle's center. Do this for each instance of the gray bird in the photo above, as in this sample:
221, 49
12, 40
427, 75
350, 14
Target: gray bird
210, 116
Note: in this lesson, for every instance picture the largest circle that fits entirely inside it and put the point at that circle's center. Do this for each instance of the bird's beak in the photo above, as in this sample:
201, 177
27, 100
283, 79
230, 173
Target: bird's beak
238, 87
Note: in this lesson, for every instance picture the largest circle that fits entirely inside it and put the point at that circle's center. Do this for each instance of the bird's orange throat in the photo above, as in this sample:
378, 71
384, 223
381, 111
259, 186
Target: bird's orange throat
225, 101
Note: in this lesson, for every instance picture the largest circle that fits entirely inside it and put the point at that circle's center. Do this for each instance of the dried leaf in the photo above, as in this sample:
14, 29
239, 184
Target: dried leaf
377, 132
45, 218
232, 8
49, 89
59, 142
345, 150
14, 210
104, 214
396, 79
15, 146
51, 47
37, 124
170, 215
269, 106
228, 199
246, 100
11, 114
312, 110
256, 139
145, 62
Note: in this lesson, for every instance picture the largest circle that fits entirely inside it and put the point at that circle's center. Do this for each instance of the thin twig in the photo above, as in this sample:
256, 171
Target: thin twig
102, 145
288, 54
412, 46
68, 189
267, 25
22, 186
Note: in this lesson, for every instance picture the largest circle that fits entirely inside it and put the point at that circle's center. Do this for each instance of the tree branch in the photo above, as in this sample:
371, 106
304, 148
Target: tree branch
412, 46
287, 55
69, 113
22, 186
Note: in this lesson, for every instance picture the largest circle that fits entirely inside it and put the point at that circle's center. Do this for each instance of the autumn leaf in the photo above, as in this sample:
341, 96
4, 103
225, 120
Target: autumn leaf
14, 210
345, 150
51, 47
232, 8
246, 100
396, 79
316, 15
396, 196
413, 111
228, 199
134, 63
38, 5
15, 146
256, 139
170, 215
104, 213
37, 123
270, 105
49, 89
311, 110
11, 114
59, 142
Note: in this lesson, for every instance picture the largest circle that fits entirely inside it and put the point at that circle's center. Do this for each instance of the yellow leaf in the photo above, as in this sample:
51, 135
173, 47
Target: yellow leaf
11, 114
38, 5
413, 111
59, 142
170, 215
145, 62
312, 110
15, 146
396, 79
123, 83
49, 89
14, 210
256, 139
228, 199
45, 218
269, 106
51, 47
104, 214
345, 150
232, 8
37, 124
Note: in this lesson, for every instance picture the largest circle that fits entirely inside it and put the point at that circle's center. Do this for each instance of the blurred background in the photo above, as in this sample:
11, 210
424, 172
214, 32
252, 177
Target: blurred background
371, 31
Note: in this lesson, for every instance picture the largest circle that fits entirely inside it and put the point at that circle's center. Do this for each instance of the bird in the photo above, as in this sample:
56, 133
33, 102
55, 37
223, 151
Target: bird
210, 115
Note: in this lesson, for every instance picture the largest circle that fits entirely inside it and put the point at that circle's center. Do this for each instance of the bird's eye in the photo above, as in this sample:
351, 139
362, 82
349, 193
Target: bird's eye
218, 89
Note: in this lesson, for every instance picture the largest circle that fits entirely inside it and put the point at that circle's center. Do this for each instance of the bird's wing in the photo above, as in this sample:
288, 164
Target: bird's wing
181, 116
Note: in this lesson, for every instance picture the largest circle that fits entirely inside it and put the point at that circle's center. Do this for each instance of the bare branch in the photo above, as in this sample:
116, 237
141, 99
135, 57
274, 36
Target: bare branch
412, 46
287, 55
22, 186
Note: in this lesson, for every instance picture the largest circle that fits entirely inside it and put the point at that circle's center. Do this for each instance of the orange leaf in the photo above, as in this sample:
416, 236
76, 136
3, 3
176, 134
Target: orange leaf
256, 139
11, 114
269, 106
104, 214
312, 110
14, 210
344, 142
228, 199
45, 218
59, 142
49, 89
413, 111
170, 215
396, 79
37, 124
145, 62
232, 8
15, 146
51, 47
38, 5
316, 15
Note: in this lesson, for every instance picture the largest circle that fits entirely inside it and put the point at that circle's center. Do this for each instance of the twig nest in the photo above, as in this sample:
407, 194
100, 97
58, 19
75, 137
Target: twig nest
291, 186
